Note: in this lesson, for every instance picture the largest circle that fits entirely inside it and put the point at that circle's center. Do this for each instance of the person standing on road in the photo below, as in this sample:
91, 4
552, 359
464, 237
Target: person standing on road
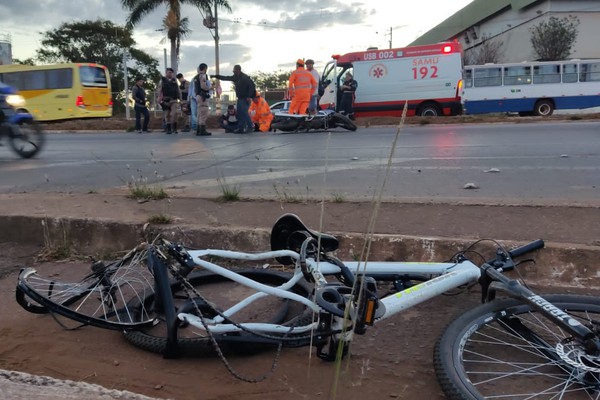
184, 87
193, 104
202, 91
261, 114
314, 98
301, 86
168, 96
348, 88
139, 97
244, 91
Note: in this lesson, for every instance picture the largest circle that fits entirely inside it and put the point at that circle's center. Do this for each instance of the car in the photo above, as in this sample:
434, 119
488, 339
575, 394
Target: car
280, 107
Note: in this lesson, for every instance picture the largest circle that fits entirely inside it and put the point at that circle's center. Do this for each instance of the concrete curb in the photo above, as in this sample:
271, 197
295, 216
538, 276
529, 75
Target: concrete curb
21, 386
558, 264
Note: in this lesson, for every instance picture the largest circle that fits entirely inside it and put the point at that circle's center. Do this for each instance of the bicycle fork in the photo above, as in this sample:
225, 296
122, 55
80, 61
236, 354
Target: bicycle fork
514, 289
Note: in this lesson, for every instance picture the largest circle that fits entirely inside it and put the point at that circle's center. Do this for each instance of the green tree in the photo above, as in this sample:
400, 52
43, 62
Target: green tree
100, 42
175, 27
553, 39
27, 61
274, 80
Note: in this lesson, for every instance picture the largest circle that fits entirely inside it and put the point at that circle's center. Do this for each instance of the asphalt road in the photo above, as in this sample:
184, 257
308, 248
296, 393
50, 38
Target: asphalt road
523, 163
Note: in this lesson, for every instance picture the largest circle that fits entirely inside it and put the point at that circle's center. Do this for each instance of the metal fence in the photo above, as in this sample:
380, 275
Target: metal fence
215, 105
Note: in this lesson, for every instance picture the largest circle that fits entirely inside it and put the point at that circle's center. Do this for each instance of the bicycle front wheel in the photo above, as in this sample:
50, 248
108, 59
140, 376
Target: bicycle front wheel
107, 296
505, 349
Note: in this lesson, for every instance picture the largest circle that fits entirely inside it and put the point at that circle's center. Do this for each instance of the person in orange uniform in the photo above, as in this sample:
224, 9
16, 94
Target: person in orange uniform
260, 113
301, 86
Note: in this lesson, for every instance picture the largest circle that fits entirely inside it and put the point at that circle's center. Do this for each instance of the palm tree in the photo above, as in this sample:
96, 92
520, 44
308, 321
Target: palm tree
175, 27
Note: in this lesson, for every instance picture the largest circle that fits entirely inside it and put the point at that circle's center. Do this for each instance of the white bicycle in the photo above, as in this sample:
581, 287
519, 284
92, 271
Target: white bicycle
518, 347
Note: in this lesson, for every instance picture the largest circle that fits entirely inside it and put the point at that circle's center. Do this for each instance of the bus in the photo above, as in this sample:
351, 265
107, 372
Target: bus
531, 88
61, 91
428, 77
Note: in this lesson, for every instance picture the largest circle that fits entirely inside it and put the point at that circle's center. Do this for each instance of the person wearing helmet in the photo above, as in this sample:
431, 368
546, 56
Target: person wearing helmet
260, 112
301, 86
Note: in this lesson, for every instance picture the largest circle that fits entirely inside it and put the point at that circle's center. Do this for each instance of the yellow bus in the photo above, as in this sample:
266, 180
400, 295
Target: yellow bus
61, 91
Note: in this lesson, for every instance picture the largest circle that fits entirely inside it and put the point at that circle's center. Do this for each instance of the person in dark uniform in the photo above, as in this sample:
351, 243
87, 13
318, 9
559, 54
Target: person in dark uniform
168, 96
139, 97
348, 89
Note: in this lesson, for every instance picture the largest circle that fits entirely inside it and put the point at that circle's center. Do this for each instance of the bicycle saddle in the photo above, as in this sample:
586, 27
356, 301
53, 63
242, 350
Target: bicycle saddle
283, 238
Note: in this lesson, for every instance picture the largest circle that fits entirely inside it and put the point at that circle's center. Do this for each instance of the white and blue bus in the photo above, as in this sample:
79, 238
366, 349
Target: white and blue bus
531, 88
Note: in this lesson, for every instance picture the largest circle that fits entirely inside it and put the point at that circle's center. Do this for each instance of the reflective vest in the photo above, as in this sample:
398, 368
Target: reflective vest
302, 79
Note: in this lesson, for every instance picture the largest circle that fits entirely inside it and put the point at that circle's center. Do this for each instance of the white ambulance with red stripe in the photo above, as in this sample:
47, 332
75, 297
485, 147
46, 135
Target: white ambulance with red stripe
428, 77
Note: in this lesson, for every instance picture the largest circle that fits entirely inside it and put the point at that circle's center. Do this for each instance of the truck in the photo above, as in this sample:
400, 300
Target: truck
428, 77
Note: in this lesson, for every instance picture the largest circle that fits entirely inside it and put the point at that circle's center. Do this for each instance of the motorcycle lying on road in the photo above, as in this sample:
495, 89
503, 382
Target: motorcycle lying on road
322, 120
24, 134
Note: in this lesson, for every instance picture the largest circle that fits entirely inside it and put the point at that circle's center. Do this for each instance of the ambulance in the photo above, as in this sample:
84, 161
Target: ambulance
428, 77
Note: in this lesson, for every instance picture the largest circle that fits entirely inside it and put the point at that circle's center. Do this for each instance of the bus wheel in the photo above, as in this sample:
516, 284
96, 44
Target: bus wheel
543, 108
429, 110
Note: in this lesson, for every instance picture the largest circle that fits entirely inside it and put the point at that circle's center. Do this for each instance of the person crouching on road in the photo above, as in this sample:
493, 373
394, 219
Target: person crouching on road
260, 112
202, 90
301, 86
229, 120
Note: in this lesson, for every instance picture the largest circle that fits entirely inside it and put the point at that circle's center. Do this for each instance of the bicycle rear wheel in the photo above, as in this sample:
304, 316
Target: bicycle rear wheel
220, 293
505, 349
105, 297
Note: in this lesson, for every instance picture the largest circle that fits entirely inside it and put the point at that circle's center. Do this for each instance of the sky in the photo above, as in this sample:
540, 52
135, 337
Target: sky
260, 35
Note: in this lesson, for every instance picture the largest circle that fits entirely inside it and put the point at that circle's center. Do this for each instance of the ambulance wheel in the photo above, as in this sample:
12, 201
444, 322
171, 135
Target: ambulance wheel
429, 110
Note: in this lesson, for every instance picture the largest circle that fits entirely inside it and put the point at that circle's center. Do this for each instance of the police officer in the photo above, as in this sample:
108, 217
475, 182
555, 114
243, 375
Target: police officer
169, 95
202, 90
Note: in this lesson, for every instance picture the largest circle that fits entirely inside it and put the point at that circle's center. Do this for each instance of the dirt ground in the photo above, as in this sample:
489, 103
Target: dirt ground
392, 360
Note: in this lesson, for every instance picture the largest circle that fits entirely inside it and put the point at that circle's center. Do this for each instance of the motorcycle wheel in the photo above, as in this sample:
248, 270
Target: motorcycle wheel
343, 121
285, 125
27, 138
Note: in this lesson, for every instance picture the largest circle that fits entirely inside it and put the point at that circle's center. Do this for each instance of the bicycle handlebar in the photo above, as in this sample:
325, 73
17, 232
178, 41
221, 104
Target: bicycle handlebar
519, 251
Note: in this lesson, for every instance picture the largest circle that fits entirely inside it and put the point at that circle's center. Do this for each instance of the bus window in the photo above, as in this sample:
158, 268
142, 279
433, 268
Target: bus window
487, 77
33, 80
517, 75
468, 78
59, 78
589, 72
12, 79
92, 76
569, 73
547, 73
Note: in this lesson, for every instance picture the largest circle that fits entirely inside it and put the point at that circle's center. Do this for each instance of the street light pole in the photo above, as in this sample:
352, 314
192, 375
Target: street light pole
217, 61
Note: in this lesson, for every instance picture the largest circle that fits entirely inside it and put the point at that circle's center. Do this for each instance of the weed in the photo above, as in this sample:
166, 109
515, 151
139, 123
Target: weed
161, 219
338, 197
57, 245
575, 117
424, 121
92, 191
141, 191
284, 196
228, 192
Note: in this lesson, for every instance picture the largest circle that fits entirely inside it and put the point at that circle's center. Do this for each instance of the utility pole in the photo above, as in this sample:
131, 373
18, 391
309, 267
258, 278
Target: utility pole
127, 111
217, 69
391, 37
